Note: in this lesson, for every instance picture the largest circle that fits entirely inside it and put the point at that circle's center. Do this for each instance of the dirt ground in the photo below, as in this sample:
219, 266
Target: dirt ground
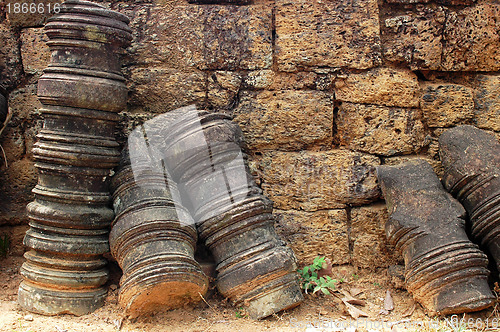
317, 313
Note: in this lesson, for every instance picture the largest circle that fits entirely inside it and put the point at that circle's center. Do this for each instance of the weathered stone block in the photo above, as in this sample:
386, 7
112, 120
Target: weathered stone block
23, 103
380, 130
446, 105
207, 37
456, 2
487, 98
12, 142
227, 2
160, 90
311, 234
34, 14
407, 1
34, 50
10, 58
313, 181
285, 120
380, 86
443, 2
429, 157
223, 86
414, 39
25, 108
471, 39
369, 247
327, 34
16, 183
271, 80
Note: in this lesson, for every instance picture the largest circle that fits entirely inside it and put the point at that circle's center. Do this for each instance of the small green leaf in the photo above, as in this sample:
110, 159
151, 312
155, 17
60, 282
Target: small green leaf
325, 291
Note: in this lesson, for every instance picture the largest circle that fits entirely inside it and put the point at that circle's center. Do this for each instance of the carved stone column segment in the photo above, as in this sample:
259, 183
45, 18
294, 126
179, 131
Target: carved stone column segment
256, 270
471, 161
81, 91
153, 238
444, 271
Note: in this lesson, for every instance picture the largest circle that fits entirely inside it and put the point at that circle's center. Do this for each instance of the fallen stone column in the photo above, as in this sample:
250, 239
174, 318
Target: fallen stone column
444, 271
153, 238
255, 268
201, 152
81, 91
471, 161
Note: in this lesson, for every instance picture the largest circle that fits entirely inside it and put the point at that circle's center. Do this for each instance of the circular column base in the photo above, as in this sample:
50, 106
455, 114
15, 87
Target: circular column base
47, 301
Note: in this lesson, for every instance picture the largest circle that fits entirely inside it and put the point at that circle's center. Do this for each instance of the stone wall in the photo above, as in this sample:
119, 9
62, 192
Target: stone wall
323, 90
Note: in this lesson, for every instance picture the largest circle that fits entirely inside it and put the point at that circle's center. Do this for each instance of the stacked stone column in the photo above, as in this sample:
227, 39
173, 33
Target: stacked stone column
81, 91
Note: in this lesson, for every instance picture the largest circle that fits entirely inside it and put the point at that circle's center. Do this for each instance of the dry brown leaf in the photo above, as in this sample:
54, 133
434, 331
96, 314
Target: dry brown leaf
351, 299
353, 311
355, 291
388, 302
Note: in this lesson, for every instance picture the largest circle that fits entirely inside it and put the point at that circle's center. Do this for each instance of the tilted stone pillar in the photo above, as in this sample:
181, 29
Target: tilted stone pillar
471, 161
444, 271
81, 92
153, 238
200, 154
255, 269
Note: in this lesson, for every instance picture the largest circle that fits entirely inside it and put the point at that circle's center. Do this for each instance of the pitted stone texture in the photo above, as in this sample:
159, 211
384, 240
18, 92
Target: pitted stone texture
471, 39
31, 18
34, 50
414, 39
158, 90
443, 2
446, 105
487, 98
285, 120
10, 58
12, 142
327, 34
223, 87
380, 86
369, 247
380, 130
312, 234
429, 157
207, 37
270, 80
16, 183
313, 181
25, 108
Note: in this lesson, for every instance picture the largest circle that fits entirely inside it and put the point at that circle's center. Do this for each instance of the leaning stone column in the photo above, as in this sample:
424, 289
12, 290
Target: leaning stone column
153, 238
202, 153
81, 91
471, 161
444, 271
